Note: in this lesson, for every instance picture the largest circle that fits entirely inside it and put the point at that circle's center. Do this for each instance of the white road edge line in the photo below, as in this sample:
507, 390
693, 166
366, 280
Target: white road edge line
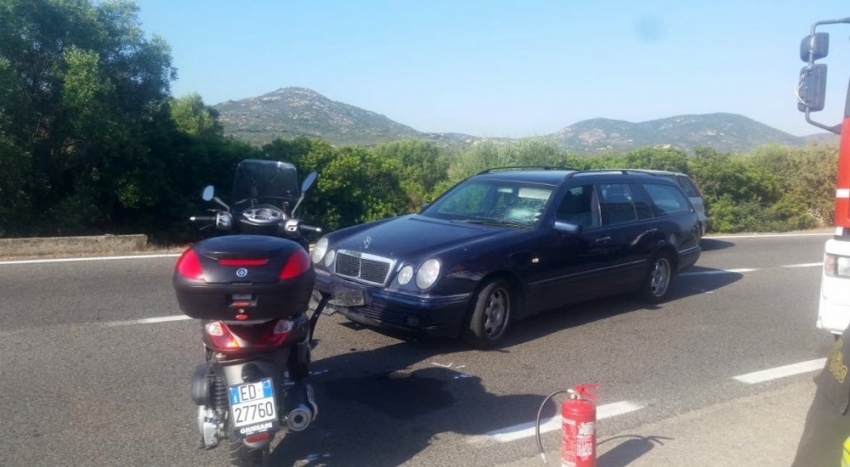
161, 319
803, 265
525, 430
772, 235
717, 271
781, 372
93, 258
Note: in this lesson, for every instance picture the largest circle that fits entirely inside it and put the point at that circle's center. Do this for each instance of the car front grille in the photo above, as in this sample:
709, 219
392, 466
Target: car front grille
363, 267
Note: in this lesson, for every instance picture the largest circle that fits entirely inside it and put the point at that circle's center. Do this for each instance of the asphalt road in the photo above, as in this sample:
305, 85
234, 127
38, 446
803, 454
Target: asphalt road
85, 382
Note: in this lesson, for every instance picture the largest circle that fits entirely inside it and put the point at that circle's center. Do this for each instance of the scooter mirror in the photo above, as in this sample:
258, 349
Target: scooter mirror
209, 193
308, 181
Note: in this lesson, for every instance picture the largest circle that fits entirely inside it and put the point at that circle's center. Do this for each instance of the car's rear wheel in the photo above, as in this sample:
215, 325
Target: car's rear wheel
657, 283
491, 316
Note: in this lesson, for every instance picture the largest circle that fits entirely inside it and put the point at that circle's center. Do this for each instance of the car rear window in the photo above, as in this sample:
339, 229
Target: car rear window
667, 199
688, 185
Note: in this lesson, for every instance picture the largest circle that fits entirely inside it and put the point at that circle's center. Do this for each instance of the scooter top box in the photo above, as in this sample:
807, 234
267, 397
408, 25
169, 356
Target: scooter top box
243, 277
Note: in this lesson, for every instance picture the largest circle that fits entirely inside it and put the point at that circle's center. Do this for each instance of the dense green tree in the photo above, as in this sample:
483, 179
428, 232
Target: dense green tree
84, 84
354, 184
423, 168
192, 116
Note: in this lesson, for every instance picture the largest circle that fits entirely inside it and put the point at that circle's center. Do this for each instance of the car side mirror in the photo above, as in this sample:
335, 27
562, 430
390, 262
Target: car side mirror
209, 193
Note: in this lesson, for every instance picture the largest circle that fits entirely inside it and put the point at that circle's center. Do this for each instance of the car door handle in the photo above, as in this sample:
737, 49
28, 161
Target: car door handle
602, 240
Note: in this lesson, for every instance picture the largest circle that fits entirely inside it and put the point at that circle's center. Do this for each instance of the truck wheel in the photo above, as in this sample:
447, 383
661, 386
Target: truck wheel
491, 316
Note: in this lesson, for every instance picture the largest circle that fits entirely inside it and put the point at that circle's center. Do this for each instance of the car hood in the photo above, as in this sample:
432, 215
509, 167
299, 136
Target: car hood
415, 236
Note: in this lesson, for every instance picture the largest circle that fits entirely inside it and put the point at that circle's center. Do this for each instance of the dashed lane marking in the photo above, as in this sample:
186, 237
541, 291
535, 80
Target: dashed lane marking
161, 319
717, 271
781, 372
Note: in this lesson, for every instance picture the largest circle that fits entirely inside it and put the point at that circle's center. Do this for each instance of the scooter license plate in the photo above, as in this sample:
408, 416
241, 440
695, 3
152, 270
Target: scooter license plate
252, 405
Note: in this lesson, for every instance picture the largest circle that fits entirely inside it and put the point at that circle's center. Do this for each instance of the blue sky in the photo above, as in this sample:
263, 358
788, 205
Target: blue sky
508, 68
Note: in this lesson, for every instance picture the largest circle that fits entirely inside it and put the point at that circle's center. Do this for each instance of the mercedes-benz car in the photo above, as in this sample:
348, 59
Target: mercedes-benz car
506, 244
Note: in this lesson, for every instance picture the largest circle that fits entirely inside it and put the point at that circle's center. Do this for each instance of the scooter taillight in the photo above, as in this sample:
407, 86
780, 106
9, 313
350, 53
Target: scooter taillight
225, 339
189, 266
220, 337
298, 263
278, 335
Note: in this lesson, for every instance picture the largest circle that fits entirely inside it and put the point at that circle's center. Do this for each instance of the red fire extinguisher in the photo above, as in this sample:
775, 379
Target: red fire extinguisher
578, 427
578, 437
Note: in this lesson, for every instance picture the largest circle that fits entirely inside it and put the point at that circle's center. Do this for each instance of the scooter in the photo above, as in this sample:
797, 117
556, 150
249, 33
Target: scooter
251, 290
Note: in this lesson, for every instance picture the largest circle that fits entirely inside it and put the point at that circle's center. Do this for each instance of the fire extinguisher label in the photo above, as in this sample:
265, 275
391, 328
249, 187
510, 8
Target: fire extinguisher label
578, 447
585, 440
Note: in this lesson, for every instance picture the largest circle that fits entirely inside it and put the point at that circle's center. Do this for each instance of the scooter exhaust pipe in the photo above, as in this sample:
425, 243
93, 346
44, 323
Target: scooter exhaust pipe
302, 408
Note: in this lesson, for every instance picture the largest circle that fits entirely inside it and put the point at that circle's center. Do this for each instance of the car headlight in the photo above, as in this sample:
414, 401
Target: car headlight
836, 265
319, 250
405, 275
427, 274
329, 258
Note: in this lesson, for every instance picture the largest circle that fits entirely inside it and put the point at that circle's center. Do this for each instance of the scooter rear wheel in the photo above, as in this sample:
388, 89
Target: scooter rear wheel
243, 456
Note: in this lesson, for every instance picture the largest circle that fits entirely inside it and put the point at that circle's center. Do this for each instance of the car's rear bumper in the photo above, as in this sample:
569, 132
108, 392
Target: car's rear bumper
428, 316
688, 258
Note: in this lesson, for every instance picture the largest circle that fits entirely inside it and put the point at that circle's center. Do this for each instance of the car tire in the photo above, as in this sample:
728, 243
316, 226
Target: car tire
656, 284
491, 315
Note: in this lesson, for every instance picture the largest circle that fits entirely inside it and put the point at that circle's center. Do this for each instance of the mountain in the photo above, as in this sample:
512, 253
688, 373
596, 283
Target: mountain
290, 112
723, 131
293, 111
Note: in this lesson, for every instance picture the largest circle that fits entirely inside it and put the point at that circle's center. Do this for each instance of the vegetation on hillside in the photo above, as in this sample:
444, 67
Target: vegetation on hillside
91, 142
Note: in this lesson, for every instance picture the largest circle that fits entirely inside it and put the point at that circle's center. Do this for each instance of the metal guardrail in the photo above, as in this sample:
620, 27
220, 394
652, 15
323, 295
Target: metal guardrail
62, 246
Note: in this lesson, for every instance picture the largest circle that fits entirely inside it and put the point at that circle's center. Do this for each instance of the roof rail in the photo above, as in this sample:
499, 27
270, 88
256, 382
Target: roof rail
523, 167
622, 171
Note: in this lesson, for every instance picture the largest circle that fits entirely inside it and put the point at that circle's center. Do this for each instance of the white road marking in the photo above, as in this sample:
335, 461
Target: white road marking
717, 271
781, 372
803, 265
161, 319
773, 235
525, 430
93, 258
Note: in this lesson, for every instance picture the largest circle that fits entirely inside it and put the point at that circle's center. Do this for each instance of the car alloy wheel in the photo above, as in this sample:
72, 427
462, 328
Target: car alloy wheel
490, 318
660, 277
496, 312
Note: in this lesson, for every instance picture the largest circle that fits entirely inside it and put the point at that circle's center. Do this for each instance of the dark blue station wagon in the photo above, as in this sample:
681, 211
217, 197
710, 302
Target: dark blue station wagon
508, 243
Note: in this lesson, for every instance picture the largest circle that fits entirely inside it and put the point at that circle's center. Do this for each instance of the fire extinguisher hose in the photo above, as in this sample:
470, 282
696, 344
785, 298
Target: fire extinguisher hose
537, 424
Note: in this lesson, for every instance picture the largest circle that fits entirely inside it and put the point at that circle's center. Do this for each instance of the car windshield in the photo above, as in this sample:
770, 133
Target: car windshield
494, 202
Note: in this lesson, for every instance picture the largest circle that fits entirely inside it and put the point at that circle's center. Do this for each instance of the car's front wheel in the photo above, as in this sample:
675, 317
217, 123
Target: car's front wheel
656, 284
489, 319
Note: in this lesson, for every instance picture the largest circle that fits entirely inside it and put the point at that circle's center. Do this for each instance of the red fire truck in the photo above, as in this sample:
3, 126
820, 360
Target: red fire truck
834, 308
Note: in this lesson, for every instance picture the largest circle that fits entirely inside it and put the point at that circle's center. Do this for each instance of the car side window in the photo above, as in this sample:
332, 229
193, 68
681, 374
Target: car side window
577, 207
615, 202
643, 205
667, 199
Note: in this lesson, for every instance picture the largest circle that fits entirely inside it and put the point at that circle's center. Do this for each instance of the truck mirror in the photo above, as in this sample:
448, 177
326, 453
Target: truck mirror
811, 89
814, 47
